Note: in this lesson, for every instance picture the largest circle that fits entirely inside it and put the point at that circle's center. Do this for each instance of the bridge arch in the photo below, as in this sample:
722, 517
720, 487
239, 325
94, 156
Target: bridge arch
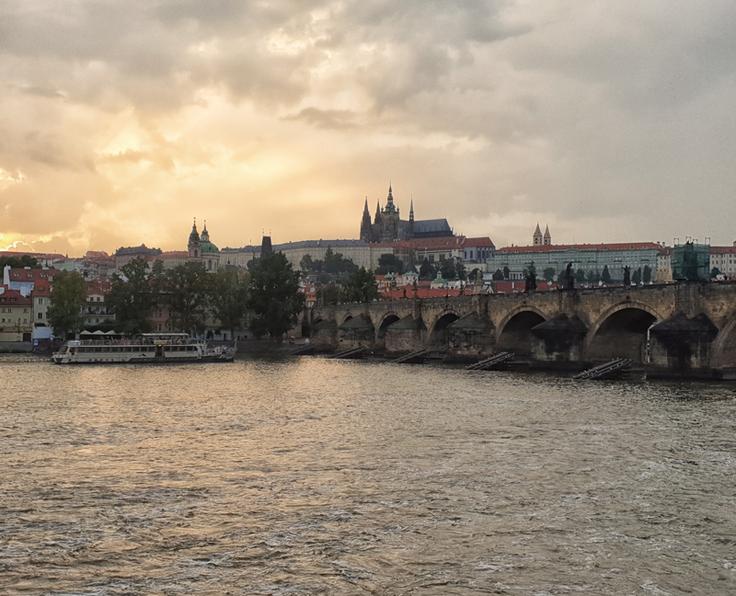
515, 329
724, 345
439, 333
387, 319
621, 332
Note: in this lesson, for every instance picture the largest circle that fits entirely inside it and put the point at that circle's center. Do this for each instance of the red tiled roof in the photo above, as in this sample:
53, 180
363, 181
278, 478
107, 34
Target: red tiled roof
483, 241
172, 254
98, 255
447, 243
398, 293
442, 243
99, 286
14, 298
723, 250
590, 247
41, 291
32, 275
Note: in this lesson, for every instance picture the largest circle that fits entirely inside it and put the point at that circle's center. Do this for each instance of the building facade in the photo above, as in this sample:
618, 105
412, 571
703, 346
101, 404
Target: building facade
16, 316
588, 257
723, 258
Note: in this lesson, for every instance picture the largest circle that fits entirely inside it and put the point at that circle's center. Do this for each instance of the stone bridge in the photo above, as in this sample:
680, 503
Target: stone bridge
687, 327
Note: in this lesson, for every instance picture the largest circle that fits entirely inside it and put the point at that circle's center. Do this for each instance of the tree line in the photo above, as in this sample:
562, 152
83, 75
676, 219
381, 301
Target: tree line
266, 298
591, 276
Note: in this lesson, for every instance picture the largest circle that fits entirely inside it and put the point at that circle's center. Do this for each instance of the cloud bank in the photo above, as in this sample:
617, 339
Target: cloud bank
120, 121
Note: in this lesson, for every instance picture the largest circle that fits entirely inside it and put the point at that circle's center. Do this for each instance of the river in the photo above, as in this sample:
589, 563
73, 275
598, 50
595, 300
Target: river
315, 476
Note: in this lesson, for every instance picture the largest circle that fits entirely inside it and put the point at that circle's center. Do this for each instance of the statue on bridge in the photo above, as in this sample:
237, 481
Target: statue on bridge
530, 279
627, 276
568, 278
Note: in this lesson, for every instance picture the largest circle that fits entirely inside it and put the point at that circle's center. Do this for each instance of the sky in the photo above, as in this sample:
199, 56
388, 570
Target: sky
122, 121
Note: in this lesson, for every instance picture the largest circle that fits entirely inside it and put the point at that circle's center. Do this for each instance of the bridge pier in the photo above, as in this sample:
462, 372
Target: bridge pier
559, 339
405, 335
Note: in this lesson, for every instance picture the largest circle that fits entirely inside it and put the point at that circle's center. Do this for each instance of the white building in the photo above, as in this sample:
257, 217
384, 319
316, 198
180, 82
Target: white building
723, 258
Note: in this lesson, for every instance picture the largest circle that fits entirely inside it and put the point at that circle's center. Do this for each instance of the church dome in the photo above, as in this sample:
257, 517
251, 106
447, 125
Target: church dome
208, 247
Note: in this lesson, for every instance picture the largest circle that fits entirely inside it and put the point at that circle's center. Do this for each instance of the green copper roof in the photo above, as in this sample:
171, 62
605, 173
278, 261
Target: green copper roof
208, 247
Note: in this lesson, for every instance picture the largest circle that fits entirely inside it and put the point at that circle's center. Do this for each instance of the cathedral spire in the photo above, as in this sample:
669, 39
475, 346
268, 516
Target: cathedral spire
366, 231
537, 236
411, 210
390, 207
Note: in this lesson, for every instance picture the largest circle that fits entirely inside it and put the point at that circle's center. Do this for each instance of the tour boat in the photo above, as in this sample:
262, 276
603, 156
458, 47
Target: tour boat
147, 348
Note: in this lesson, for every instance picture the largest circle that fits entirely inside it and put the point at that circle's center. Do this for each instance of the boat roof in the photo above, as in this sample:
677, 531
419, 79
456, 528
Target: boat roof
164, 334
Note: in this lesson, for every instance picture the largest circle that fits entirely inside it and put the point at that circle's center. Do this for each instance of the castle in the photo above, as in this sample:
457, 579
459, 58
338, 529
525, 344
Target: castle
387, 225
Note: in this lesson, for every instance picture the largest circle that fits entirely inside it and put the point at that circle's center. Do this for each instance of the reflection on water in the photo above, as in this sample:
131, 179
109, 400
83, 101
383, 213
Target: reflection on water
316, 476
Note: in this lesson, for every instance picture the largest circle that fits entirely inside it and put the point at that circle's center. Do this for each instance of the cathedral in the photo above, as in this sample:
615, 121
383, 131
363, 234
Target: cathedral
387, 225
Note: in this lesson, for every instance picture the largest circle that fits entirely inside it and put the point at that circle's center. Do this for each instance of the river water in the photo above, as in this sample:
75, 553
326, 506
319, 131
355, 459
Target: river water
314, 476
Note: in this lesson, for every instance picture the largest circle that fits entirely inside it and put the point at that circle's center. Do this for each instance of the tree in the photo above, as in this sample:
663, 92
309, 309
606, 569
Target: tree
131, 297
549, 274
68, 296
506, 272
360, 287
388, 263
715, 272
636, 277
448, 270
580, 276
337, 265
333, 267
19, 262
476, 276
460, 270
306, 264
187, 292
274, 296
228, 298
498, 275
426, 271
646, 276
606, 275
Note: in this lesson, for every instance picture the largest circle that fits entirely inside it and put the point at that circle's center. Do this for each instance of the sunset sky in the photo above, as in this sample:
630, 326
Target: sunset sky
121, 121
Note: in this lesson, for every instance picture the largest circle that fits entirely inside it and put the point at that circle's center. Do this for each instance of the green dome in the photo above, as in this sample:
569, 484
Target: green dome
208, 247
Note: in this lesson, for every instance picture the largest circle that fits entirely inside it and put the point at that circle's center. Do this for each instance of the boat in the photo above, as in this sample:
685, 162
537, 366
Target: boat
146, 348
